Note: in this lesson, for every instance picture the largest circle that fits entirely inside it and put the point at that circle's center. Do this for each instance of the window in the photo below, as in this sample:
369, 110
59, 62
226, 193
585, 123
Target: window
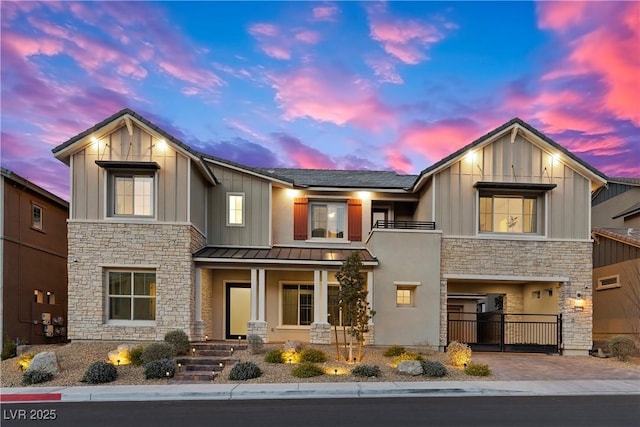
132, 295
508, 213
328, 220
405, 294
297, 304
132, 194
609, 282
38, 296
36, 216
235, 209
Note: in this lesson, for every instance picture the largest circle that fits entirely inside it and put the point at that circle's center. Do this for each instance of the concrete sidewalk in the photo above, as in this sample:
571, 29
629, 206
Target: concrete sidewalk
318, 390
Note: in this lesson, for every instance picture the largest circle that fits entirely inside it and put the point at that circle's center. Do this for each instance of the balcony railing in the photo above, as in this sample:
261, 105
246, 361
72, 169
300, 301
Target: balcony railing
406, 225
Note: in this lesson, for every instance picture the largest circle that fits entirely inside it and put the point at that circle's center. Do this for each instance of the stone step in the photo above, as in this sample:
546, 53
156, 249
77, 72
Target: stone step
218, 346
195, 376
206, 360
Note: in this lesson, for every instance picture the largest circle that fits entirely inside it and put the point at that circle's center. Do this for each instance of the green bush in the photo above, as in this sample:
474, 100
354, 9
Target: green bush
135, 356
313, 355
244, 371
307, 370
157, 351
621, 347
433, 369
459, 354
255, 344
407, 355
9, 350
366, 371
179, 339
159, 369
274, 356
477, 370
100, 372
393, 351
36, 377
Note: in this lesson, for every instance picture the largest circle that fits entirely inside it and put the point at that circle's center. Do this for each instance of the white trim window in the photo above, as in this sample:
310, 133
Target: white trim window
131, 194
328, 220
508, 213
131, 295
297, 304
609, 282
235, 209
406, 294
37, 214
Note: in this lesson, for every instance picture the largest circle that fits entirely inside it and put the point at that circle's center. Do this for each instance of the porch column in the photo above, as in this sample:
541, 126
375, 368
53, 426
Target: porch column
369, 336
444, 326
257, 325
320, 330
198, 324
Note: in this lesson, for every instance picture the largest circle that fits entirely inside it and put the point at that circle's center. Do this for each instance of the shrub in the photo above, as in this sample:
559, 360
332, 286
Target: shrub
179, 340
135, 356
159, 369
407, 355
393, 351
433, 369
307, 370
274, 356
25, 360
157, 351
255, 344
9, 350
36, 376
100, 372
244, 371
459, 354
366, 371
477, 370
621, 347
313, 355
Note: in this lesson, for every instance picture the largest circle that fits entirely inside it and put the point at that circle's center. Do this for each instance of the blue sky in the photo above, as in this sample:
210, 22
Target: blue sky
354, 85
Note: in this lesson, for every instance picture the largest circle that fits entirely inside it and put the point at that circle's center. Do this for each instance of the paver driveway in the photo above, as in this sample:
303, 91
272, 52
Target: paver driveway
527, 366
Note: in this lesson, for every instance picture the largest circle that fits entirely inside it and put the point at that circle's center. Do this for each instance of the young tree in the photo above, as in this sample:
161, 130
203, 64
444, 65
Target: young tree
353, 301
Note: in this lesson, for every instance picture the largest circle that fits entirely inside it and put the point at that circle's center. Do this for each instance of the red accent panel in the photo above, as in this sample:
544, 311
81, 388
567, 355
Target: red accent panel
355, 220
300, 218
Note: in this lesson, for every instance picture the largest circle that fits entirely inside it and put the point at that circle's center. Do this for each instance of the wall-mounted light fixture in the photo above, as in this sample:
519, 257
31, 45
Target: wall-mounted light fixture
578, 302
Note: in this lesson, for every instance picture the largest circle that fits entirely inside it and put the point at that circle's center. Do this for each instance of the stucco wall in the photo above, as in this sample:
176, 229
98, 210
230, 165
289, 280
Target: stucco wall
538, 260
94, 247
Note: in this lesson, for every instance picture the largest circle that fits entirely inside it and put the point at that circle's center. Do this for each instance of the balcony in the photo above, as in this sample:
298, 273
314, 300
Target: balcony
405, 225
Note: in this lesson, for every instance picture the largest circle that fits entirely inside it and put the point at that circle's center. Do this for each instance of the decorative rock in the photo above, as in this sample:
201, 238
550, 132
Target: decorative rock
45, 361
410, 367
292, 346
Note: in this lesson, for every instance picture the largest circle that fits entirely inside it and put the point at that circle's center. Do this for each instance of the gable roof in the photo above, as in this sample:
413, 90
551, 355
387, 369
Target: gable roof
635, 182
629, 236
33, 187
344, 178
514, 125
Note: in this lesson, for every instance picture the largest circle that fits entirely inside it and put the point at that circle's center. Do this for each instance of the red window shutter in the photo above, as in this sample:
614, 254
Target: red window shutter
355, 220
300, 218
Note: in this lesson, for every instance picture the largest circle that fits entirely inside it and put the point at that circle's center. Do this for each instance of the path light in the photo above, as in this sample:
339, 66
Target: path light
179, 367
221, 365
231, 350
213, 375
335, 372
193, 352
206, 338
239, 338
118, 362
290, 361
167, 374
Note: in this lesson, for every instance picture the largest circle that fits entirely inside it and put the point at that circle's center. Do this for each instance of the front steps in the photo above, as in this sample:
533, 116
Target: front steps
207, 362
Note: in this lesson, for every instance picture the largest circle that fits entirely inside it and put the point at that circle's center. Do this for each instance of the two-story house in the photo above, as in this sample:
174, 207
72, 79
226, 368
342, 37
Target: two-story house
164, 237
33, 271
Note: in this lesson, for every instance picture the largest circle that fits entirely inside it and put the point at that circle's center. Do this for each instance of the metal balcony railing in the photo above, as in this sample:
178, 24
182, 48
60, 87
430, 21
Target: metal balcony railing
406, 225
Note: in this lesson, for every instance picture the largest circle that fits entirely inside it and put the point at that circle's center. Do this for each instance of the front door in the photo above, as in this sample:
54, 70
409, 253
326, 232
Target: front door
238, 310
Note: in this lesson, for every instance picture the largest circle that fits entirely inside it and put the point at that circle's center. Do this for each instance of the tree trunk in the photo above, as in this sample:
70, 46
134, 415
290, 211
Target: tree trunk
335, 329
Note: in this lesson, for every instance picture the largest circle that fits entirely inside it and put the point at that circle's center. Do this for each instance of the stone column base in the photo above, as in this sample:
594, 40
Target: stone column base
259, 328
320, 333
198, 331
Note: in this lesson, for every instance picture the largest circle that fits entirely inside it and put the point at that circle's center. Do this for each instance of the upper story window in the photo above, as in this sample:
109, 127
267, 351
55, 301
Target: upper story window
508, 214
328, 220
235, 209
131, 188
37, 216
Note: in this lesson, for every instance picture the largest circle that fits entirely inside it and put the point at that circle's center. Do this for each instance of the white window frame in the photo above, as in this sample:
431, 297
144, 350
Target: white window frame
37, 226
281, 304
131, 296
111, 192
243, 208
616, 284
345, 220
412, 288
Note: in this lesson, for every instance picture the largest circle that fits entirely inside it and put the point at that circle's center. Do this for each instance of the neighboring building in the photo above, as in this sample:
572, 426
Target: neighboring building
166, 237
34, 262
616, 259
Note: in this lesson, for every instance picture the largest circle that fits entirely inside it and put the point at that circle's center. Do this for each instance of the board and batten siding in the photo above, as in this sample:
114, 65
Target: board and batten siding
255, 231
567, 205
88, 178
198, 199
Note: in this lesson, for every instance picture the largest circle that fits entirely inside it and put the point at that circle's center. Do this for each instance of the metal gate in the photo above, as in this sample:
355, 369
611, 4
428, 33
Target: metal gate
497, 331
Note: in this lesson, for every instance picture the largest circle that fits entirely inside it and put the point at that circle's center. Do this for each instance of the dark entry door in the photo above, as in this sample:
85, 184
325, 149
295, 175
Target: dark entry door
238, 310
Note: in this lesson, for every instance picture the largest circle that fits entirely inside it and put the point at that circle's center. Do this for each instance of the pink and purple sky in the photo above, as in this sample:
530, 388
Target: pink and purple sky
353, 85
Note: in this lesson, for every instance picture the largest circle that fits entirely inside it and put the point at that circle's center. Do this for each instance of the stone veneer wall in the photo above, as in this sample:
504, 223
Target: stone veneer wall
532, 259
98, 246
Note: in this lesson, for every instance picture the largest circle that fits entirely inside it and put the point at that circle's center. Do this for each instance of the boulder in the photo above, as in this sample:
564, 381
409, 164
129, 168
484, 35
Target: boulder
292, 346
45, 361
410, 367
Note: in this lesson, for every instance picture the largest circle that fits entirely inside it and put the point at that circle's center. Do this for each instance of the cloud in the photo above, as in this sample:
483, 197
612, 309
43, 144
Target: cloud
325, 13
308, 36
330, 95
244, 152
397, 160
300, 155
385, 69
264, 29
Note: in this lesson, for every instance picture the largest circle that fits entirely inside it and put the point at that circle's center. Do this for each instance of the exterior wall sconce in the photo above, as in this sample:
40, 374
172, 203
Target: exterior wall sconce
578, 302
